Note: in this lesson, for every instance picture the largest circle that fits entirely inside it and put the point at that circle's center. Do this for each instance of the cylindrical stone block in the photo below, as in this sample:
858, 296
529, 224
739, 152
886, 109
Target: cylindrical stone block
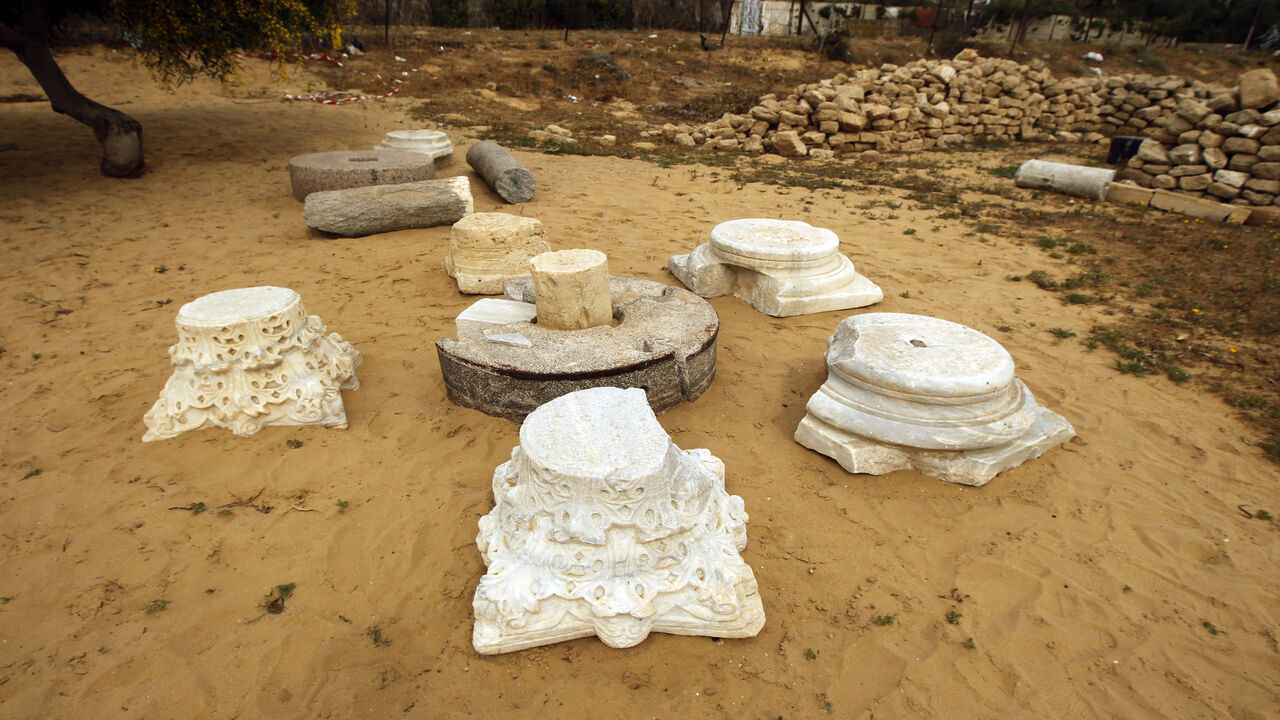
356, 168
1077, 180
571, 289
511, 180
487, 248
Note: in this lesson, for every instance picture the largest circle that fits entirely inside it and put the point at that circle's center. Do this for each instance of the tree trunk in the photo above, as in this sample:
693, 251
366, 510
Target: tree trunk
119, 134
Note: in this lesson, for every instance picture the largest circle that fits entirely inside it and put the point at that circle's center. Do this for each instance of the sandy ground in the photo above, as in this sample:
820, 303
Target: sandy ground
1084, 578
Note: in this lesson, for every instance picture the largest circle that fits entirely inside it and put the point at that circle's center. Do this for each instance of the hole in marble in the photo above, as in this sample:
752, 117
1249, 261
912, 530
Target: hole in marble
918, 343
362, 159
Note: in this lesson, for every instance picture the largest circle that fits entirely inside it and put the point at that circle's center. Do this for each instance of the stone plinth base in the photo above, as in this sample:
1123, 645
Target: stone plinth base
356, 168
915, 392
780, 267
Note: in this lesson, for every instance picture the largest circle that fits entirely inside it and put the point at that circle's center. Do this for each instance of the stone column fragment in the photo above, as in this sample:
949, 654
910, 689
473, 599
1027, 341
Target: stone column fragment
487, 248
602, 526
386, 208
432, 143
571, 289
1076, 180
921, 393
512, 181
249, 358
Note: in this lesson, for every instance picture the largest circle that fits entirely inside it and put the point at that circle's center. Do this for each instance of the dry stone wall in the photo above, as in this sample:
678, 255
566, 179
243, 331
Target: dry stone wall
1207, 139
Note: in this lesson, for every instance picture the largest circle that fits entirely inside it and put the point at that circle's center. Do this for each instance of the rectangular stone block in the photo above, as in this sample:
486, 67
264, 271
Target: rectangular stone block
1129, 194
1196, 207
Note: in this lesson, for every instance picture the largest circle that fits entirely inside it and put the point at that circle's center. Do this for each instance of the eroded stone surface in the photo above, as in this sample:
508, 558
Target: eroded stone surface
356, 212
511, 180
915, 392
249, 358
432, 143
488, 248
356, 168
572, 289
664, 342
780, 267
603, 526
1077, 180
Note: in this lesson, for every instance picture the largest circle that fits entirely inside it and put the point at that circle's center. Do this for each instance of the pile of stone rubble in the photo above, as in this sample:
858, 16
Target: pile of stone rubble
1210, 139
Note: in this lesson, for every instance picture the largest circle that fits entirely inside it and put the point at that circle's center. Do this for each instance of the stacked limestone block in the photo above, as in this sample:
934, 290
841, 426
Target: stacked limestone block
944, 103
1225, 147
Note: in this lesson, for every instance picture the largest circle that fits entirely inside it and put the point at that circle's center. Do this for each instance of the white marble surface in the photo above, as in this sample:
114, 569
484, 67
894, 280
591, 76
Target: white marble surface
602, 526
490, 314
780, 267
915, 392
249, 358
434, 143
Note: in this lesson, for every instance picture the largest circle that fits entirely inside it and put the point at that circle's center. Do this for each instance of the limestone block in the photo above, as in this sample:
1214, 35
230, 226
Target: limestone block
488, 248
789, 144
602, 526
572, 289
1187, 154
1231, 178
1197, 207
915, 392
432, 143
386, 208
1074, 180
1215, 158
1259, 88
780, 267
1240, 145
1120, 192
348, 169
512, 181
1152, 151
488, 314
249, 358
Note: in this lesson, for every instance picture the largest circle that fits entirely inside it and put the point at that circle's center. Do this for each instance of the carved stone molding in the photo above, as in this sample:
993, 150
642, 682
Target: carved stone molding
602, 526
433, 143
249, 358
915, 392
780, 267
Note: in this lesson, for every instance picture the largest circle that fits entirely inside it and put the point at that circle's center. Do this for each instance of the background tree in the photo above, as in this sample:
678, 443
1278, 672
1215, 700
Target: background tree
178, 39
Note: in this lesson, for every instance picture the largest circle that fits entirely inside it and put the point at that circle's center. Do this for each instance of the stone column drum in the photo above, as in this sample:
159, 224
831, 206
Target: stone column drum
356, 168
487, 248
780, 267
249, 358
571, 289
915, 392
602, 526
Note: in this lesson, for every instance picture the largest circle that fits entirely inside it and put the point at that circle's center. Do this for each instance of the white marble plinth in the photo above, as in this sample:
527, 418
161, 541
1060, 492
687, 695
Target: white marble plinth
427, 142
915, 392
488, 248
490, 314
602, 526
780, 267
249, 358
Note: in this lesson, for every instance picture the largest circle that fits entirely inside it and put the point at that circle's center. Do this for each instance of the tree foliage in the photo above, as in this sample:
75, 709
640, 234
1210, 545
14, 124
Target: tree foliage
180, 40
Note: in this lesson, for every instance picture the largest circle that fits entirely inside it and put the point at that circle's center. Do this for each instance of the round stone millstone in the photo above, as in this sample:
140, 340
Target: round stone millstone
357, 168
664, 341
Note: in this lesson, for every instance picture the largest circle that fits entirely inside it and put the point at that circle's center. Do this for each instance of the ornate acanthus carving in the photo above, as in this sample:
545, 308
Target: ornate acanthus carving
249, 358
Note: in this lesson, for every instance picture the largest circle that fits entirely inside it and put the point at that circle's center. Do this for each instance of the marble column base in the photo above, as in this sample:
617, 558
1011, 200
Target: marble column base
858, 454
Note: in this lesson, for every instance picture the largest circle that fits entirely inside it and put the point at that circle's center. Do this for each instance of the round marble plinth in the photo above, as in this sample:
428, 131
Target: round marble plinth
427, 142
773, 241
